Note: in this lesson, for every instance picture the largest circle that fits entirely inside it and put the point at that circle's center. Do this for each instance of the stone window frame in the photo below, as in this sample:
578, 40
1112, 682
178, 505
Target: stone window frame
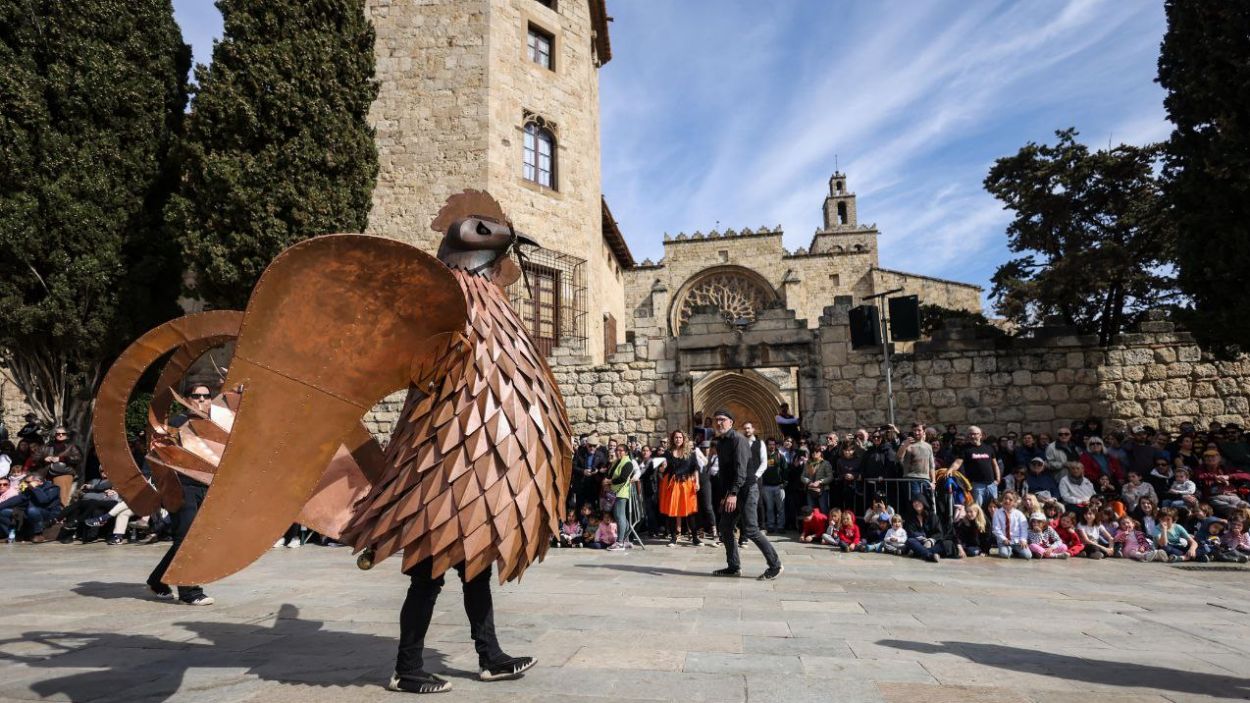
535, 35
534, 127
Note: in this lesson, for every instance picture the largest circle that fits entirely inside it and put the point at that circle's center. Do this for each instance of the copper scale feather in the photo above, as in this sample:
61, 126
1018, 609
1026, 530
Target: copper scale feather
478, 468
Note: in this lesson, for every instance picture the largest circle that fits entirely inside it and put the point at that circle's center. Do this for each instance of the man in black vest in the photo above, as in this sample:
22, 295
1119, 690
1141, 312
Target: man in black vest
742, 496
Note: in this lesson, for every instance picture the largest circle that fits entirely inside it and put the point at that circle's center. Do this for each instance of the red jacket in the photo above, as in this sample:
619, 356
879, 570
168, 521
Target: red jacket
815, 524
1072, 539
849, 534
1093, 472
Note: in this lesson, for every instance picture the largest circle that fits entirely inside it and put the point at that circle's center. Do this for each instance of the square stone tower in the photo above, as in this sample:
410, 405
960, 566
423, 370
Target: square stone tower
503, 96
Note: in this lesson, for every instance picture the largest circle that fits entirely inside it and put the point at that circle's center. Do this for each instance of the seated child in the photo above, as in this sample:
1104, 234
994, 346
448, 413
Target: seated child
607, 496
1174, 539
1044, 542
1096, 540
1053, 510
1236, 538
605, 533
813, 523
835, 521
1134, 544
846, 537
971, 531
1211, 543
570, 531
1181, 489
1011, 529
895, 541
874, 533
1068, 533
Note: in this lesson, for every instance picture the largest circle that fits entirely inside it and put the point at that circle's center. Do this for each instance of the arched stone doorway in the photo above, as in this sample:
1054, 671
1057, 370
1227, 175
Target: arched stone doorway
747, 394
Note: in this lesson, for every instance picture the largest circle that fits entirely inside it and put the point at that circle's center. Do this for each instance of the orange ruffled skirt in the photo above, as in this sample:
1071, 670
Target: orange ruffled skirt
678, 497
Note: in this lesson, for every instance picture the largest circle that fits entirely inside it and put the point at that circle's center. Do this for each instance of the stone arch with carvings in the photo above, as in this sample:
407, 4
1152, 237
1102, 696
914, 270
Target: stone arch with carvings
748, 394
736, 291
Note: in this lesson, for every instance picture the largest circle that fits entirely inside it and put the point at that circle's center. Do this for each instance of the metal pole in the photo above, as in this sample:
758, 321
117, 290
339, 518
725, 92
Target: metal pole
885, 349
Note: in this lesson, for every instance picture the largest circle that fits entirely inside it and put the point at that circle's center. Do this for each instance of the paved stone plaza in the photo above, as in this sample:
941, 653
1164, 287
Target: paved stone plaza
306, 625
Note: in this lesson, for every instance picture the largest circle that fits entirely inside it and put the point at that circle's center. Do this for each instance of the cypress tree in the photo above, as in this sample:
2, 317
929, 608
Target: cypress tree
278, 148
92, 95
1205, 67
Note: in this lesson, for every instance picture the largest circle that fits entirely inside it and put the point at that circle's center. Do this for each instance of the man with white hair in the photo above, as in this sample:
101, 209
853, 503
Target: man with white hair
980, 466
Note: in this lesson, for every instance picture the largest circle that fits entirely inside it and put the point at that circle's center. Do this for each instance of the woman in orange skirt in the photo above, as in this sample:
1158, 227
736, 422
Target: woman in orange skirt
679, 485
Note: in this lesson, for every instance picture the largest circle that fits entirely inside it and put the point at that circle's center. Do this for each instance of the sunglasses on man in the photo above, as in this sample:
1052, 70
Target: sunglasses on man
200, 396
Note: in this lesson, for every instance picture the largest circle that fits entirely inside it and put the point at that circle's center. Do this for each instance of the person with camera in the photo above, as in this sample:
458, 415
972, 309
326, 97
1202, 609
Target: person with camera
919, 465
60, 460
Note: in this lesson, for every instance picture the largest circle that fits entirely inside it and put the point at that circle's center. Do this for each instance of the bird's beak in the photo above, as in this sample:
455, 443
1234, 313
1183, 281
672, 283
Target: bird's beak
523, 238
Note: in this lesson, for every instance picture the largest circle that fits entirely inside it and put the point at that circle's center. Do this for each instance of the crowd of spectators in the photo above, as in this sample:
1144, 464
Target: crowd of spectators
933, 492
929, 493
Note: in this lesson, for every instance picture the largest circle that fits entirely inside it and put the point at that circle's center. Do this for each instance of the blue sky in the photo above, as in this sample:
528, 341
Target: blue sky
733, 111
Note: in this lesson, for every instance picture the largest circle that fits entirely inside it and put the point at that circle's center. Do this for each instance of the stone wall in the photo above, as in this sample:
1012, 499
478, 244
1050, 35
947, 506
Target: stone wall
1155, 376
13, 406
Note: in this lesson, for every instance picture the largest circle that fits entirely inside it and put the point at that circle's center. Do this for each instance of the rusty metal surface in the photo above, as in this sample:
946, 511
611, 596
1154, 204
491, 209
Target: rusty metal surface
479, 466
335, 324
109, 415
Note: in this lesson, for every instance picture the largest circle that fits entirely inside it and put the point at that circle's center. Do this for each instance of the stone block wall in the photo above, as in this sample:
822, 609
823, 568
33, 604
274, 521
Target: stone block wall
13, 405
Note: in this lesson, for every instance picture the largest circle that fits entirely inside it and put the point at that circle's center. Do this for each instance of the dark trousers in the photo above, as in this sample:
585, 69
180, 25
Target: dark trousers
414, 617
748, 502
180, 524
917, 549
706, 512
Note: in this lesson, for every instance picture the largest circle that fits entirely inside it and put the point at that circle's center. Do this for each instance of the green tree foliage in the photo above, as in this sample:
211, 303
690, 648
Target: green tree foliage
92, 95
1205, 67
938, 317
1093, 233
278, 148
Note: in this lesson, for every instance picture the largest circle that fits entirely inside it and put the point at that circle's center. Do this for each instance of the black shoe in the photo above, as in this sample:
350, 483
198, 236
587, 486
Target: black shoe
771, 573
115, 540
742, 543
727, 572
420, 682
161, 592
510, 668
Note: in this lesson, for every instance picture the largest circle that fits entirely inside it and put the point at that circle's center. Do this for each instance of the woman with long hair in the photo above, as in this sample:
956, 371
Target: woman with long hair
679, 486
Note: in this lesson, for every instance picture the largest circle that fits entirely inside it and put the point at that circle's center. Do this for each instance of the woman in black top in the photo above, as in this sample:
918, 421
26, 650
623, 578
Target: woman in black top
922, 529
679, 486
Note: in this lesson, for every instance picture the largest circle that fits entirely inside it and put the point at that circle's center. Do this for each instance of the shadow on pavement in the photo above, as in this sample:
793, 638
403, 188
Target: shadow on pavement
291, 651
1096, 671
649, 570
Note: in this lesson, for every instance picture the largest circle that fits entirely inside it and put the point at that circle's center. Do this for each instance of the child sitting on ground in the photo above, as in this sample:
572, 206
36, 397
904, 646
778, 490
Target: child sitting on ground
831, 529
1133, 544
1095, 537
874, 533
1068, 533
1174, 539
1011, 529
1211, 543
846, 537
970, 531
570, 531
1236, 538
1181, 489
896, 537
813, 523
605, 533
1044, 542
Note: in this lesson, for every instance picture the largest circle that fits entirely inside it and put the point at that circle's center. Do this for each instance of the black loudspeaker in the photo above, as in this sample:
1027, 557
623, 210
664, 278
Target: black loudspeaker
865, 327
904, 318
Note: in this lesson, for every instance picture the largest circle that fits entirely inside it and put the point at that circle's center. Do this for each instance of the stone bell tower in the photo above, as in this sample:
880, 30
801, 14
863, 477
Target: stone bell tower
839, 205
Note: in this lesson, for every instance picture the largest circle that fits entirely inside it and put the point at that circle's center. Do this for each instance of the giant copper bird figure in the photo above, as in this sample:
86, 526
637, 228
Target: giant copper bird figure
477, 468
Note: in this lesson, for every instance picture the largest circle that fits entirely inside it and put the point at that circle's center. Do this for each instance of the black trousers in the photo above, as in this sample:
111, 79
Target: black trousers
414, 617
748, 501
180, 524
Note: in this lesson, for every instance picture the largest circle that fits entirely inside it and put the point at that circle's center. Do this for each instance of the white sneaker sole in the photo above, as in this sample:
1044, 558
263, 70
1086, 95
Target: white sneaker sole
485, 674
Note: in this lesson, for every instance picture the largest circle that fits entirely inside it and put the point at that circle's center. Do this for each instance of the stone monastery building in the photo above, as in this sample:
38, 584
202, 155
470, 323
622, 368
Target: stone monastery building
503, 95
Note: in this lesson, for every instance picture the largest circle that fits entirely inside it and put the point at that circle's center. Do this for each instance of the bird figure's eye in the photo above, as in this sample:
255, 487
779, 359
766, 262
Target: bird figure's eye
482, 229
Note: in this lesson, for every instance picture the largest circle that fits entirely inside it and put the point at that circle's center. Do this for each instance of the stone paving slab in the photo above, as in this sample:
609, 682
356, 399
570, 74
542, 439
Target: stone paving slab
649, 625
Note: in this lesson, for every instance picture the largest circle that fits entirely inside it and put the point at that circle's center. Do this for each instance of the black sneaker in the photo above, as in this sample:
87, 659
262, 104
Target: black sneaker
165, 593
510, 668
200, 600
727, 572
420, 682
771, 573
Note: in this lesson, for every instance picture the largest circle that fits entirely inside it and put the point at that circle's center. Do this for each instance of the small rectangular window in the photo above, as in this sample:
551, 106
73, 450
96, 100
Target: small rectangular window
548, 3
540, 43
